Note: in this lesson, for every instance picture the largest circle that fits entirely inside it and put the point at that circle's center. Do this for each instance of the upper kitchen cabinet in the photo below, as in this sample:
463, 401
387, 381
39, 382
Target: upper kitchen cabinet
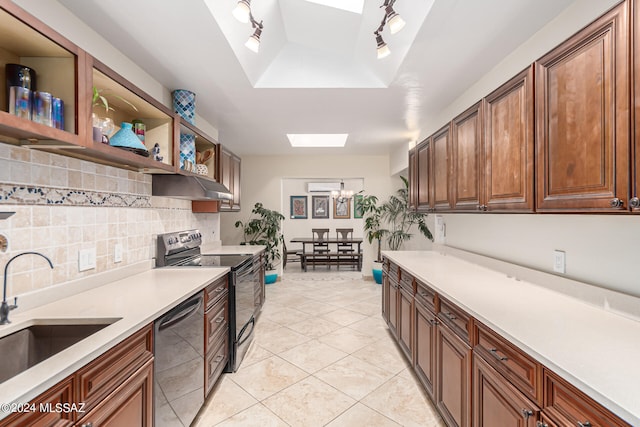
47, 63
509, 146
127, 104
466, 154
413, 177
440, 171
582, 119
422, 180
230, 177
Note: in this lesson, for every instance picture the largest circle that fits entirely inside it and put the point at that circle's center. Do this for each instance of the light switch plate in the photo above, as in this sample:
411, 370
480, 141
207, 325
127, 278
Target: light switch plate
117, 253
559, 261
441, 230
86, 259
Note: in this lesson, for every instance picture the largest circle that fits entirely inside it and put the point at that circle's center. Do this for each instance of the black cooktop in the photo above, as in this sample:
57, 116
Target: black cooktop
231, 261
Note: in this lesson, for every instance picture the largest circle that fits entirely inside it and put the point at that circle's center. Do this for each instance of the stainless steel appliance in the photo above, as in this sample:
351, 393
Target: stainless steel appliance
182, 249
179, 363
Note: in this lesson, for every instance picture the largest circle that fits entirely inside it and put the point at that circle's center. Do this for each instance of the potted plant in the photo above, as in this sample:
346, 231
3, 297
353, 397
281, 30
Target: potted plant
373, 228
400, 218
263, 228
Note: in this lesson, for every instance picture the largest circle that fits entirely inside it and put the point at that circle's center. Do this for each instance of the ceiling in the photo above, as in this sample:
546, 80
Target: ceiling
316, 71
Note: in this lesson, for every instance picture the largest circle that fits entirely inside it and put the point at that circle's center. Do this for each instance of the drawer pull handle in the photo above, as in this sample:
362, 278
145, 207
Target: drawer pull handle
423, 294
220, 289
584, 424
220, 320
450, 315
541, 424
87, 425
218, 358
526, 413
433, 322
494, 351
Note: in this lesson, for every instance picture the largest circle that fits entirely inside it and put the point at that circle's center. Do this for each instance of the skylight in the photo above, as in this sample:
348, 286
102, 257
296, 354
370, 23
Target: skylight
317, 139
354, 6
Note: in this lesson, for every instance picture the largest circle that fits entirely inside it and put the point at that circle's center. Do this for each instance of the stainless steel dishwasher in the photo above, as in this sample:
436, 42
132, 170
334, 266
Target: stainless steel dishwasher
179, 363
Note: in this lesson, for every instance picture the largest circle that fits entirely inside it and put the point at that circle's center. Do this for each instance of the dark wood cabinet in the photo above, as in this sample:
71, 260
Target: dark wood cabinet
423, 166
453, 381
467, 173
496, 402
413, 179
230, 178
582, 119
40, 416
565, 405
424, 361
509, 146
216, 331
440, 171
131, 404
394, 294
405, 321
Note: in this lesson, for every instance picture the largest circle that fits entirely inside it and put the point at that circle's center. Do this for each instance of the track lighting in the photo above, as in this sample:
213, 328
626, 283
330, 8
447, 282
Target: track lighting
242, 11
383, 49
253, 43
396, 23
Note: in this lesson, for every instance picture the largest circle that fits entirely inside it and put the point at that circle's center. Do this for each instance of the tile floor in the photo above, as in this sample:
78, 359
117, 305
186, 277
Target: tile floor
321, 356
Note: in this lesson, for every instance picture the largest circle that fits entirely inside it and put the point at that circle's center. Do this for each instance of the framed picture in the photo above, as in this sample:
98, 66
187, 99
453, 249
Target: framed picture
357, 206
298, 207
320, 206
341, 209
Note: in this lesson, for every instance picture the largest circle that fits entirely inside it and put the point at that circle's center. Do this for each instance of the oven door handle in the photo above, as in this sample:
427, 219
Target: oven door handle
251, 322
180, 313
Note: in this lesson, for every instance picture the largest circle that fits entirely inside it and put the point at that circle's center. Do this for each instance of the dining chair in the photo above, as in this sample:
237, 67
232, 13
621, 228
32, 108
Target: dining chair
320, 240
343, 234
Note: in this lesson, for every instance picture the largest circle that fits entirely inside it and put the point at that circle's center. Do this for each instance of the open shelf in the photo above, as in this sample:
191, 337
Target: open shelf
204, 144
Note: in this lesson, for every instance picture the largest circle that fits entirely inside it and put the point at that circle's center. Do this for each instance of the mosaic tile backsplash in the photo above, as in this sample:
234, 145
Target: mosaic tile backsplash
63, 205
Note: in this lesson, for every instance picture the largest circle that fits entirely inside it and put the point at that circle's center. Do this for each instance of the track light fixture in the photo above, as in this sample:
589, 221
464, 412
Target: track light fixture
396, 23
253, 43
242, 12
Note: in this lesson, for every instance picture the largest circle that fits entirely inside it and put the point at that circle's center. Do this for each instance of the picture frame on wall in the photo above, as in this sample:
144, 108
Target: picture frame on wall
341, 208
298, 207
320, 206
357, 206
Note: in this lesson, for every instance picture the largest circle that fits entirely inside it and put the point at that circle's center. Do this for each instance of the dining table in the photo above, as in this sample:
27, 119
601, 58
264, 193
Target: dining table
333, 257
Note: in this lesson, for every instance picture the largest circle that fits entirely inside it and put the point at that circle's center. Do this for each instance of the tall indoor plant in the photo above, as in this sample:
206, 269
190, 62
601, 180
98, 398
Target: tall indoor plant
400, 218
263, 228
374, 230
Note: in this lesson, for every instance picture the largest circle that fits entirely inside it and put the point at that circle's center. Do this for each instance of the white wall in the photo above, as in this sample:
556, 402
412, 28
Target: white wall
600, 249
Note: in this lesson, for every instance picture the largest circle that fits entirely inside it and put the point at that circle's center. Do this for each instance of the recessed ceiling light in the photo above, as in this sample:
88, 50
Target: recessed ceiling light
317, 139
354, 6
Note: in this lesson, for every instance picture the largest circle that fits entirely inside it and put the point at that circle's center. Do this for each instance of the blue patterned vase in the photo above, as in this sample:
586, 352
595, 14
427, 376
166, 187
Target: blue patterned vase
187, 149
184, 103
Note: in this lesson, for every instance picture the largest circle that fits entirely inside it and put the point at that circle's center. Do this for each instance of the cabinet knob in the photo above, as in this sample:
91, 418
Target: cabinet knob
87, 425
541, 424
526, 413
616, 203
584, 424
634, 202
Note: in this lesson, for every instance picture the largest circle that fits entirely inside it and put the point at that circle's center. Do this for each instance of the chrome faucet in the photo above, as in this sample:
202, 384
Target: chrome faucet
6, 308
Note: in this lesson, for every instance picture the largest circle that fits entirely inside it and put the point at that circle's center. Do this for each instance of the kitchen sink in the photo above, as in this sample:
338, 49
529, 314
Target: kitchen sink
31, 345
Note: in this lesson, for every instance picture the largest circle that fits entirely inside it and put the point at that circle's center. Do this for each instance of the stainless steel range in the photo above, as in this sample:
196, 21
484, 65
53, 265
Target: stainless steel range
182, 249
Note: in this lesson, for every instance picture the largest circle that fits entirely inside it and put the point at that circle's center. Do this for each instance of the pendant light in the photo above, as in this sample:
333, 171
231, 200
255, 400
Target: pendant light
242, 11
383, 49
253, 44
395, 21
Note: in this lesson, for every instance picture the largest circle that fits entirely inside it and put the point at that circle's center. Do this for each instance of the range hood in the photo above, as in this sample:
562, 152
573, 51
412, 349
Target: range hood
189, 188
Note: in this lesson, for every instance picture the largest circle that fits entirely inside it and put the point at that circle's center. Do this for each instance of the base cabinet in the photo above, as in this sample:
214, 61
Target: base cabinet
129, 405
425, 347
405, 324
496, 402
453, 384
60, 393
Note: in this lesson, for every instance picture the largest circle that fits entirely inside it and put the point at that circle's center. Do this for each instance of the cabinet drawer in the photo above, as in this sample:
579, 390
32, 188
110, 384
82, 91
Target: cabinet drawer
566, 405
216, 322
215, 291
100, 377
406, 281
216, 360
392, 270
59, 393
459, 321
520, 369
425, 295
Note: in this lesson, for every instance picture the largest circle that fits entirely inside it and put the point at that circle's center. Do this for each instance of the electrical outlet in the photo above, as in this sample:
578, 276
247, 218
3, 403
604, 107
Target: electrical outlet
441, 230
559, 261
117, 253
86, 259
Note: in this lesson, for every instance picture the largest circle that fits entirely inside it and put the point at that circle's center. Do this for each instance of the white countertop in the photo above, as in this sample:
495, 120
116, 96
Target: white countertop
232, 249
136, 300
594, 349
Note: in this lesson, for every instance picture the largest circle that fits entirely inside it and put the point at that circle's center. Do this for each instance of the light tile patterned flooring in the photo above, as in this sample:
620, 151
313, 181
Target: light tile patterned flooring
321, 356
